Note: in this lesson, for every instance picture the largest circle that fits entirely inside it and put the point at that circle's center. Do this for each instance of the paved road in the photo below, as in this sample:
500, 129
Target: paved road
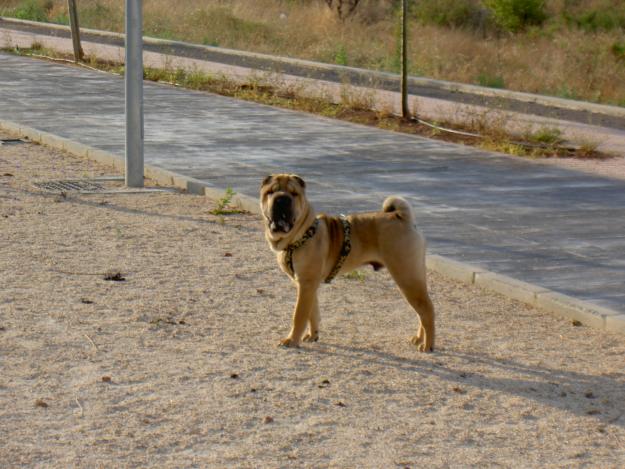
556, 228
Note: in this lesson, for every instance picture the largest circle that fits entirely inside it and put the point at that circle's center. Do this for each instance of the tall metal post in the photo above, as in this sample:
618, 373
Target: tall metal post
405, 112
73, 21
134, 93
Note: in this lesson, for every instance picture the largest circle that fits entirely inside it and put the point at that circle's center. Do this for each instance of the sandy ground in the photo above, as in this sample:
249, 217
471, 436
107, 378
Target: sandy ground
177, 366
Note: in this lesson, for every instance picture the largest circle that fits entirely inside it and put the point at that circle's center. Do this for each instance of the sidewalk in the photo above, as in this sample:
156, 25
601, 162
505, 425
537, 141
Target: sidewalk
559, 229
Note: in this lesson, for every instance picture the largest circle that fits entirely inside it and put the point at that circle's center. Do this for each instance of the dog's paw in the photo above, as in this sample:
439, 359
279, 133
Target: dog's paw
288, 342
421, 343
314, 337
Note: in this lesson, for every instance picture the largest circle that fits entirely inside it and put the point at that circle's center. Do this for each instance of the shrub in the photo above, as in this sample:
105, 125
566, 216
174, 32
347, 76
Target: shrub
618, 49
515, 15
491, 81
34, 10
450, 13
600, 19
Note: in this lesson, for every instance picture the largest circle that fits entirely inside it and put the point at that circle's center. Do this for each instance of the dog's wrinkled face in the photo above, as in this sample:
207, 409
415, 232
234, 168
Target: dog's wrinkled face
282, 202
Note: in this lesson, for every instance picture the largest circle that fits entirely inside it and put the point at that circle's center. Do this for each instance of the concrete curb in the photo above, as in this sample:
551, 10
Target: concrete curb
562, 103
542, 298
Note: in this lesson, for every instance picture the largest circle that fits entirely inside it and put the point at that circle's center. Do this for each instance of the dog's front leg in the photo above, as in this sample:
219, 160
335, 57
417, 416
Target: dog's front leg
306, 297
313, 322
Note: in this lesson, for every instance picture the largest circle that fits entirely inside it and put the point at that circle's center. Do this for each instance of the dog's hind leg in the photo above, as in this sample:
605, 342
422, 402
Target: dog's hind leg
409, 274
313, 323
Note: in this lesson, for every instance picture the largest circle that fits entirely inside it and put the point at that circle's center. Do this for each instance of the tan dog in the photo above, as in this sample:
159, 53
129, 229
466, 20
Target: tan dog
313, 249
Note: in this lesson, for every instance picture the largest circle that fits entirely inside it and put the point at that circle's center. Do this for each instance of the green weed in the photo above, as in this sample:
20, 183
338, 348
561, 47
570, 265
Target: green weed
340, 58
222, 205
491, 81
358, 275
546, 136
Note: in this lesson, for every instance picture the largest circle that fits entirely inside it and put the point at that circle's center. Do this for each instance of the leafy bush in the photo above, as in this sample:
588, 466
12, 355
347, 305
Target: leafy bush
451, 13
605, 19
34, 10
515, 15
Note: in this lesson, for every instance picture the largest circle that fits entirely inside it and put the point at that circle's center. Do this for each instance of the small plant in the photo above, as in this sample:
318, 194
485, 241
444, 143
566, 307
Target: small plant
491, 81
587, 148
222, 205
356, 275
618, 49
340, 58
546, 136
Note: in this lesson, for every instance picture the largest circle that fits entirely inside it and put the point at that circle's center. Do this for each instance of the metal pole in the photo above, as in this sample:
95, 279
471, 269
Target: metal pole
134, 93
405, 112
73, 21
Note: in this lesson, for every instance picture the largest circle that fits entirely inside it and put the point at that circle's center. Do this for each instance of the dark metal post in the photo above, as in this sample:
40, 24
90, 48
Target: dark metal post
405, 112
73, 21
134, 93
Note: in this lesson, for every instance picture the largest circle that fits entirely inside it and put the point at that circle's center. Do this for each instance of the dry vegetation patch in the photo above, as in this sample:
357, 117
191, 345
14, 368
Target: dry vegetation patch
177, 365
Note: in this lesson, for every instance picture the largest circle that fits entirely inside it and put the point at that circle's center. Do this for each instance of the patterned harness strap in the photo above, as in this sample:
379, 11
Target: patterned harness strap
310, 232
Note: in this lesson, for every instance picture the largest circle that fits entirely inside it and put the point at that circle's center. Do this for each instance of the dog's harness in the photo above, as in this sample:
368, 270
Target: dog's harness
310, 232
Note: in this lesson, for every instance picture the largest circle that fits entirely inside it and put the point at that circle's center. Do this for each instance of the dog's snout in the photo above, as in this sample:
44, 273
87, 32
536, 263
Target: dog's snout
281, 214
282, 202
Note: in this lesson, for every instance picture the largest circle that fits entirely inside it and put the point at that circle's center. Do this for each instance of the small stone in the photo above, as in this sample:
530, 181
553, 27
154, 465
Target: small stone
589, 395
228, 254
41, 403
115, 277
106, 379
339, 404
268, 419
576, 323
234, 376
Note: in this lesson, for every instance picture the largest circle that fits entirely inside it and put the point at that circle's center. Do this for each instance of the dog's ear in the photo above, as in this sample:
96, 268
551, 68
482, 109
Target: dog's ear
266, 180
299, 180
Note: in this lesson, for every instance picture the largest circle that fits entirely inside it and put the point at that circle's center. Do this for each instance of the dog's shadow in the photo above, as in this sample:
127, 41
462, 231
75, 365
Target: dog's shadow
579, 393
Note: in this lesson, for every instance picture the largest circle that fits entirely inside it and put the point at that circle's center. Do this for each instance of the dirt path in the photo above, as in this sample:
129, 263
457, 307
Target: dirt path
177, 365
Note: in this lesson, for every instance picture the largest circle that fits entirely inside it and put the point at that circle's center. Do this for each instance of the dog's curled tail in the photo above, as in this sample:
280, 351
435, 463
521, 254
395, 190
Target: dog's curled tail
400, 206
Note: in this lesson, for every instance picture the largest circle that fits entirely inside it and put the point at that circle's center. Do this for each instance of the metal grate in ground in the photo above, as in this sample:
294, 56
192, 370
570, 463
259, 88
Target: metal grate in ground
98, 185
70, 186
12, 141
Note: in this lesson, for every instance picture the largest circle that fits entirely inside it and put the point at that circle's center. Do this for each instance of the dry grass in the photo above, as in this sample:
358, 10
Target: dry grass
562, 59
